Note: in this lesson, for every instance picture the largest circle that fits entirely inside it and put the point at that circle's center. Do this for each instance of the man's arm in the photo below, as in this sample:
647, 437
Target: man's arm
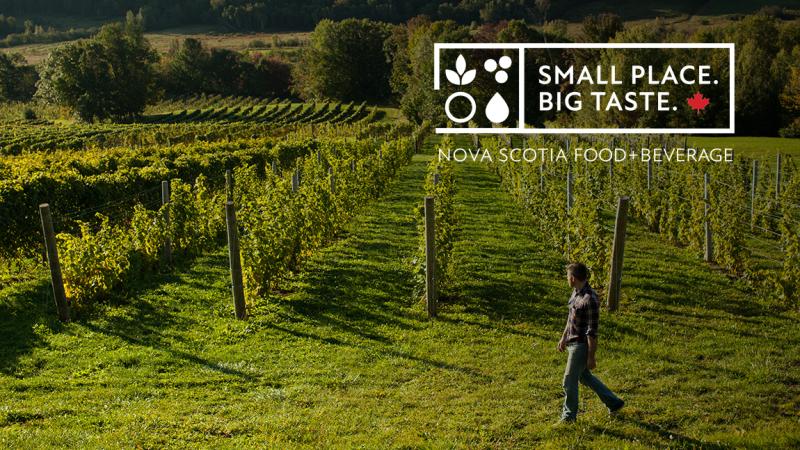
592, 344
591, 332
562, 343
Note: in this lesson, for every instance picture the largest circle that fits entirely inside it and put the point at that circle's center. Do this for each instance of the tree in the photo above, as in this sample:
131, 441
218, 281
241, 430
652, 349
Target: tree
190, 68
602, 27
108, 76
419, 101
17, 80
186, 68
346, 61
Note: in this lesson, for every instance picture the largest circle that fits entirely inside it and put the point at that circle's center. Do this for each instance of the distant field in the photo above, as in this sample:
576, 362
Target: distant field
162, 41
751, 146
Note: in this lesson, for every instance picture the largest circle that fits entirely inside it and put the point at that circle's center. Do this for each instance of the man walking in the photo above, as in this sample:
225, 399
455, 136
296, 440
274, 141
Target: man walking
580, 341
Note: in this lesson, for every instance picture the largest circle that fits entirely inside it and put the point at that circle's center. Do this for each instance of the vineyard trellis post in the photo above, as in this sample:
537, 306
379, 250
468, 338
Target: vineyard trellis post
611, 161
541, 175
352, 165
435, 179
237, 284
165, 198
333, 180
569, 189
618, 253
56, 280
753, 185
228, 185
274, 168
295, 180
708, 254
778, 176
430, 258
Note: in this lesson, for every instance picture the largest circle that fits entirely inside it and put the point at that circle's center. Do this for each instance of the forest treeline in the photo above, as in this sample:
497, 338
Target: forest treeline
289, 14
114, 74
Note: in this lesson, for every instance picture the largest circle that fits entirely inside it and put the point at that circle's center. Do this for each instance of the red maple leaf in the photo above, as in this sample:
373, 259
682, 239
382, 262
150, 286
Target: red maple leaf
697, 102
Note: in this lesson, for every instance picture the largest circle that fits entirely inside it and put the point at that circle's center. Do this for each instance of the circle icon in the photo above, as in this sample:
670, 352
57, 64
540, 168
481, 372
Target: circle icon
501, 76
471, 100
490, 65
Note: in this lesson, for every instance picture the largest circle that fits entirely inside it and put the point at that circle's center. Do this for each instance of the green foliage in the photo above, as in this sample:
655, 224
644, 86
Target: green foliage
96, 263
412, 74
580, 234
191, 68
602, 27
760, 251
445, 226
346, 61
109, 76
17, 79
281, 228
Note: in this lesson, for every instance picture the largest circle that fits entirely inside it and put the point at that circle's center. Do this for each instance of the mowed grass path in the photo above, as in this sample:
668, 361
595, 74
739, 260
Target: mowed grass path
344, 357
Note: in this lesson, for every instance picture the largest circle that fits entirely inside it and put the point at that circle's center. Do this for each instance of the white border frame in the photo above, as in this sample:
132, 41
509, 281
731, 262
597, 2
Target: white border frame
521, 129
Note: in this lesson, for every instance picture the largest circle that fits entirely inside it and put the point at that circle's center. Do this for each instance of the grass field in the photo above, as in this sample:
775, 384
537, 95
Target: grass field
162, 40
344, 357
750, 146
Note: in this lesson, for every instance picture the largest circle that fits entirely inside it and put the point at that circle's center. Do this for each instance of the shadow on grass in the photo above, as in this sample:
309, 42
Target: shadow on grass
651, 271
22, 306
675, 439
139, 320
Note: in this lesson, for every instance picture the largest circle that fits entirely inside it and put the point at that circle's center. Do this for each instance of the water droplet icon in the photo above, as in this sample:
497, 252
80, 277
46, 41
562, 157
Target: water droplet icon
497, 109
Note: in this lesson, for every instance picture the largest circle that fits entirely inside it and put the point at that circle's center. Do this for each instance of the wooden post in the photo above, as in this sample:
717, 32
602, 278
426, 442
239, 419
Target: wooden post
753, 186
237, 285
319, 156
380, 153
541, 175
708, 255
59, 295
274, 168
353, 165
165, 196
435, 179
296, 180
778, 176
228, 186
569, 189
611, 161
430, 258
617, 254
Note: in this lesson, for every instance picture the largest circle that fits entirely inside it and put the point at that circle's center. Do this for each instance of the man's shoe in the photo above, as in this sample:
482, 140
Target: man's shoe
616, 408
564, 423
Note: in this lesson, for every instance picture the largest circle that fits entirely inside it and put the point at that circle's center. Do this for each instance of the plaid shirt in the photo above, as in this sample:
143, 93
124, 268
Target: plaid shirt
584, 314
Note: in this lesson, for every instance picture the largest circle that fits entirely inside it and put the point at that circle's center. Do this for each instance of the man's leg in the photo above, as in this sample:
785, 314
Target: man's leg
609, 398
576, 365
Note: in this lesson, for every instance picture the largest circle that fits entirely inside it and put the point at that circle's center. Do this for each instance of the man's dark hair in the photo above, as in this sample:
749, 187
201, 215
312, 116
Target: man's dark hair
579, 271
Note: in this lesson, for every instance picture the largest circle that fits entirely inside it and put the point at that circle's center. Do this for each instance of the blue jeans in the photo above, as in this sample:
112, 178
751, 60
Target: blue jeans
576, 371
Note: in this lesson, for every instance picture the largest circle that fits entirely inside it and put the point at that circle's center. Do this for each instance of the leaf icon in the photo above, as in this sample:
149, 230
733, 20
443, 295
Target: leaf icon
698, 102
461, 64
468, 77
452, 77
